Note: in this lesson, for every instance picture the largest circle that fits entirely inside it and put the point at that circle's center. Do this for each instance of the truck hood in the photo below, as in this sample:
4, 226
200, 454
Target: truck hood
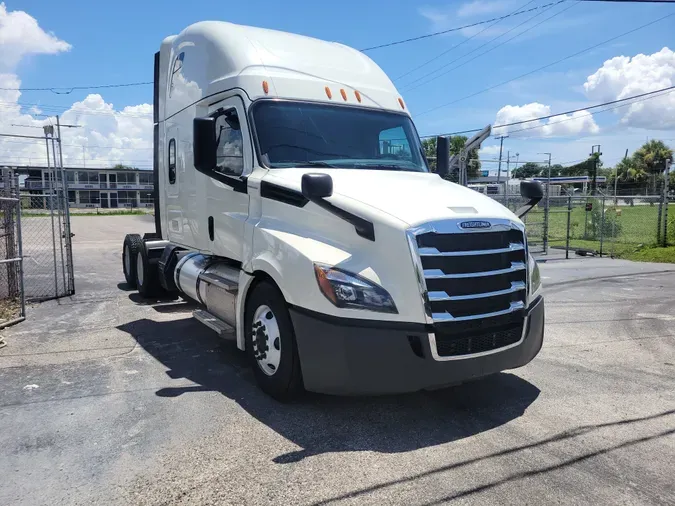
412, 197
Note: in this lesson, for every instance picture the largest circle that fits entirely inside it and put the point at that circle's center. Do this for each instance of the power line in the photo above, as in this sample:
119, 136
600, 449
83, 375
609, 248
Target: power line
58, 109
67, 90
649, 94
634, 1
492, 48
434, 34
548, 65
455, 46
94, 146
571, 119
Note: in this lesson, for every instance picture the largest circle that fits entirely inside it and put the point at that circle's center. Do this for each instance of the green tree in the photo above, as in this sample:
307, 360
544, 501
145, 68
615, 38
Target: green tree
527, 170
120, 166
456, 145
472, 160
429, 148
652, 155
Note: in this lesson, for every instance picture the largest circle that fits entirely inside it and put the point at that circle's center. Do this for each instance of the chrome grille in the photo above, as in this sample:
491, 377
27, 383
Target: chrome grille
472, 275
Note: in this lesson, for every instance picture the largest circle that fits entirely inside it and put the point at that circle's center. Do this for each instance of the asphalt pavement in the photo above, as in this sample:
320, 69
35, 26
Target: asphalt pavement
109, 399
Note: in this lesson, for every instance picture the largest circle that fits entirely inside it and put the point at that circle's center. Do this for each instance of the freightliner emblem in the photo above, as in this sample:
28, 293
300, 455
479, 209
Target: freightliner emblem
475, 224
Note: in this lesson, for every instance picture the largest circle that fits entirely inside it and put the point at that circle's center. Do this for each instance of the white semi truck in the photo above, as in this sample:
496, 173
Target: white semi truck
294, 204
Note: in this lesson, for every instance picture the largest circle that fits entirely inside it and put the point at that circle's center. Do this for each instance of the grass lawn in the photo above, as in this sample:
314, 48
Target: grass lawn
626, 229
662, 255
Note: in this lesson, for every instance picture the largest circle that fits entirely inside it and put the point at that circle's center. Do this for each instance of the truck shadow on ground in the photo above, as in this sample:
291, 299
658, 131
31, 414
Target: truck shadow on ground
319, 423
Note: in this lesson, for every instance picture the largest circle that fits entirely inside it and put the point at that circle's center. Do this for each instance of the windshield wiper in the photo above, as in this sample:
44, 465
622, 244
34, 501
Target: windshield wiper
379, 166
314, 164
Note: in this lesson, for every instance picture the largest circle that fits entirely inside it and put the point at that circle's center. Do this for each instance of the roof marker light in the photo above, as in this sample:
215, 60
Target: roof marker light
400, 101
358, 95
266, 87
344, 94
328, 92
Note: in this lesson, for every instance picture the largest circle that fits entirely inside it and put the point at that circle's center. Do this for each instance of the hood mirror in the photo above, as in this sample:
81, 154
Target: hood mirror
317, 186
534, 192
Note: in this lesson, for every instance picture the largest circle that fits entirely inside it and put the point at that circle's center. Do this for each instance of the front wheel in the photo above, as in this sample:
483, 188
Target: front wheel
270, 343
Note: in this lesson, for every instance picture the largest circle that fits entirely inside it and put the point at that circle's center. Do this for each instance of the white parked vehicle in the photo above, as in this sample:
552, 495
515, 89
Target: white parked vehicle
295, 205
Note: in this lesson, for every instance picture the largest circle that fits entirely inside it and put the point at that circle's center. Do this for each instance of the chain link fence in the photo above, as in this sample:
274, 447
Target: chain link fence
12, 300
603, 225
48, 265
535, 223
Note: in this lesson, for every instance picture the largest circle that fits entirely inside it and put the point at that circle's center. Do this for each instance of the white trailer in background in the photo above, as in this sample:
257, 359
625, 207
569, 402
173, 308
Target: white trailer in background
295, 205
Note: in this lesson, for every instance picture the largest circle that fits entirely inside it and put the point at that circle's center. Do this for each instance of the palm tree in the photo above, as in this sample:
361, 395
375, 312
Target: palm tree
651, 159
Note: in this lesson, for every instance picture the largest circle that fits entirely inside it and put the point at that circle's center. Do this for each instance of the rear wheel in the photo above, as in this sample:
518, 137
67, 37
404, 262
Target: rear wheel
270, 343
147, 277
131, 246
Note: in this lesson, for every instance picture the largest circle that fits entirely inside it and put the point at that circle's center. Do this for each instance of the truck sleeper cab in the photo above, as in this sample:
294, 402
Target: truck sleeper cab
295, 205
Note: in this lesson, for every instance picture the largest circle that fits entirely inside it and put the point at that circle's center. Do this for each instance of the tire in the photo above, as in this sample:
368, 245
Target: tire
131, 246
268, 326
147, 277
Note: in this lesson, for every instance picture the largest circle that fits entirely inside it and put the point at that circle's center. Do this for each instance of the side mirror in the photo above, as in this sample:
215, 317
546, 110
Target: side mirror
442, 156
204, 143
531, 190
317, 186
534, 192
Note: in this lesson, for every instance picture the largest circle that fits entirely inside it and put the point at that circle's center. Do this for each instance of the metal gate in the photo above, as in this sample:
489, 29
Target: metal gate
47, 248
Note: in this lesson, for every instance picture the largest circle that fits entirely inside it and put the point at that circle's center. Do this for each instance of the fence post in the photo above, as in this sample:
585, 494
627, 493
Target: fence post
19, 243
658, 223
666, 182
569, 218
602, 224
546, 211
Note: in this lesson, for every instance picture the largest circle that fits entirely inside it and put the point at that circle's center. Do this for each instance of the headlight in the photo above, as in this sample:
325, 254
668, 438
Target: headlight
535, 279
348, 290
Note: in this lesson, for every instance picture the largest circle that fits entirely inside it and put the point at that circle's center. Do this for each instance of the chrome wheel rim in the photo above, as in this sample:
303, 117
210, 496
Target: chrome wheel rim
266, 340
139, 269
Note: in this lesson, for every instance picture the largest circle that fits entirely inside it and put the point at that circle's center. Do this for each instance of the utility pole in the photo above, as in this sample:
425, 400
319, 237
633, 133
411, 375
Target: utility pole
594, 178
546, 208
616, 178
499, 169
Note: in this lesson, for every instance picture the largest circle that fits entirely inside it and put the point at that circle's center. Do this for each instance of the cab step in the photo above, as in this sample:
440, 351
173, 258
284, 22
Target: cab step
214, 323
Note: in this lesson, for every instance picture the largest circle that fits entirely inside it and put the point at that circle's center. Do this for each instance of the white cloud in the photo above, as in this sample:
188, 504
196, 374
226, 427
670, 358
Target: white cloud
447, 17
108, 135
488, 151
623, 76
483, 7
20, 35
578, 123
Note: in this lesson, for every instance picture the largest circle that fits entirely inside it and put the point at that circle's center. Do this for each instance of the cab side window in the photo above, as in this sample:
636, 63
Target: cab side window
230, 151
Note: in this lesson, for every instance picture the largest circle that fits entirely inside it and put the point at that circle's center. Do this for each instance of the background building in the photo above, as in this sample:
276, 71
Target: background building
105, 188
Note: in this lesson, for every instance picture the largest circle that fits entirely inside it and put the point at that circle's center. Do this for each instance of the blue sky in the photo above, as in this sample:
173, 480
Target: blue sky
114, 42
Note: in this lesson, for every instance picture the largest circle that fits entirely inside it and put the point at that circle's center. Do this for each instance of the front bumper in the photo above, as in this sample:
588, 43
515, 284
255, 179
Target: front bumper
356, 357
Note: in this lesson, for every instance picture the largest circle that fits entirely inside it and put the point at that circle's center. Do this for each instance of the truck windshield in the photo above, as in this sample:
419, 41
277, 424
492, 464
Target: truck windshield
292, 134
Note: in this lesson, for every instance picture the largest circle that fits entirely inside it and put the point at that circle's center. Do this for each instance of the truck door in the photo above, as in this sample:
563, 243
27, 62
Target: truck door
227, 197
